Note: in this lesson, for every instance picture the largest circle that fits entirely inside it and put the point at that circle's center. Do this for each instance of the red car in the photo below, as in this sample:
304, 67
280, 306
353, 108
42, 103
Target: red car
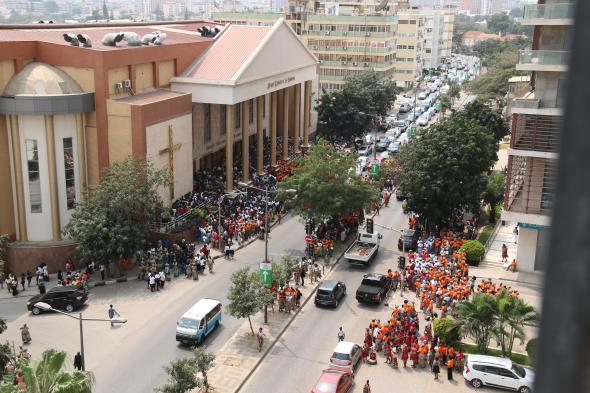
334, 380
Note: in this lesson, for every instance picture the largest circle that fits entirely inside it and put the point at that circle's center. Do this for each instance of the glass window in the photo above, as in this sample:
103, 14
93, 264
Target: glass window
207, 121
33, 170
222, 119
251, 111
69, 173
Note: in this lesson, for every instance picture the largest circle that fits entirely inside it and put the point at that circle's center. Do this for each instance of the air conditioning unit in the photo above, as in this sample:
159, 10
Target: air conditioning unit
315, 47
366, 64
118, 86
345, 47
321, 62
344, 63
367, 34
327, 33
355, 63
126, 83
345, 33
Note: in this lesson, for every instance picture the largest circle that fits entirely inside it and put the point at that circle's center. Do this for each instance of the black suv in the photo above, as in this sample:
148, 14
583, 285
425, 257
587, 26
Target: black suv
64, 298
373, 288
329, 293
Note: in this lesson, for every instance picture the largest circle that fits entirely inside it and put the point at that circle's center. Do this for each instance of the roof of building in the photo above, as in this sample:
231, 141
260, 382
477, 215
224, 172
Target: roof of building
41, 79
480, 35
151, 97
180, 33
230, 52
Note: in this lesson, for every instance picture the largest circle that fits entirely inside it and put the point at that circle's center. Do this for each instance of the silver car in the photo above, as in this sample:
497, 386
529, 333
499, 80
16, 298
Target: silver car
346, 354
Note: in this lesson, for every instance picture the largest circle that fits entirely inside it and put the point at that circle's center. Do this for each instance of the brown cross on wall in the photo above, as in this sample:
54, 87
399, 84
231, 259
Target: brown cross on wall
170, 150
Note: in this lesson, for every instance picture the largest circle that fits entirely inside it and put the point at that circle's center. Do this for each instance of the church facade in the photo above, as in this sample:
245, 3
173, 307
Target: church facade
185, 103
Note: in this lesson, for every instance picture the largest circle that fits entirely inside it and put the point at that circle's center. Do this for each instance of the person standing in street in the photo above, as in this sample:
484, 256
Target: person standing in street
341, 334
435, 368
22, 281
450, 366
367, 387
102, 271
29, 278
112, 314
78, 361
260, 336
515, 233
504, 253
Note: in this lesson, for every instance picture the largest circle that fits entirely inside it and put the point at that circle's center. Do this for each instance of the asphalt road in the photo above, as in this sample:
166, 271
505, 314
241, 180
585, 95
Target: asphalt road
130, 358
305, 348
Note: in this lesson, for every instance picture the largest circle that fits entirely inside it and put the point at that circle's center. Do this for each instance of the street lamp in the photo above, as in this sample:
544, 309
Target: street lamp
374, 134
219, 226
266, 225
46, 307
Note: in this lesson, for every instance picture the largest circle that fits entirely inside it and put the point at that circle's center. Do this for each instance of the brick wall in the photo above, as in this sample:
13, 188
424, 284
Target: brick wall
22, 257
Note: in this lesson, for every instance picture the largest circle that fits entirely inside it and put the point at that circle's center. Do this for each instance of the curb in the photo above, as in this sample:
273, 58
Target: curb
290, 321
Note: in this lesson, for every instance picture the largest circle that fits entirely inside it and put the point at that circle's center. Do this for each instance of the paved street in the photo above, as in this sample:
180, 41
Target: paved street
130, 358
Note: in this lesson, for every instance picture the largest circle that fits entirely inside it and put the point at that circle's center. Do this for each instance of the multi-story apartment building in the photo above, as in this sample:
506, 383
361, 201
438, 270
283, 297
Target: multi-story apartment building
536, 119
438, 33
410, 47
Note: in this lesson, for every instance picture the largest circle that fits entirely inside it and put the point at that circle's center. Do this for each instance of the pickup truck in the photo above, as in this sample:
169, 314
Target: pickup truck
364, 249
373, 288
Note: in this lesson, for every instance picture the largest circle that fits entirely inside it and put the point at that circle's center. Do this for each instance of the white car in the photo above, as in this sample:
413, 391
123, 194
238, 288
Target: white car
369, 138
481, 370
346, 355
385, 155
422, 95
423, 120
392, 134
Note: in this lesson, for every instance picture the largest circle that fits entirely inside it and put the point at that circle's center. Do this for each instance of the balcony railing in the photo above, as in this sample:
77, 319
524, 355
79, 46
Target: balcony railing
549, 11
526, 103
535, 133
543, 57
530, 185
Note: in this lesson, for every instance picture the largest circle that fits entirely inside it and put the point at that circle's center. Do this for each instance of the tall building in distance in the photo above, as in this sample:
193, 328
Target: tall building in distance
536, 119
391, 38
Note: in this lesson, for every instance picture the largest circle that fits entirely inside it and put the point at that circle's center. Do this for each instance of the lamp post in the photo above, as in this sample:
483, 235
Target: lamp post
374, 134
219, 226
46, 307
266, 225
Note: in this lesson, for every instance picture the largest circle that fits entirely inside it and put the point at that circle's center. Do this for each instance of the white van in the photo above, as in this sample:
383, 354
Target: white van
200, 320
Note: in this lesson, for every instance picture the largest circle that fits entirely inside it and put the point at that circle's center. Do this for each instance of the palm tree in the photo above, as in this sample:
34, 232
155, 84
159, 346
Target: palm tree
47, 376
512, 314
476, 319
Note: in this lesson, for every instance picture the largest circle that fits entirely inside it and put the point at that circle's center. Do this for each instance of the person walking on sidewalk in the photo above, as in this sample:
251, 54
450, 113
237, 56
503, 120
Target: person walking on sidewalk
29, 278
22, 281
504, 253
367, 387
515, 233
78, 361
260, 336
112, 314
102, 271
341, 334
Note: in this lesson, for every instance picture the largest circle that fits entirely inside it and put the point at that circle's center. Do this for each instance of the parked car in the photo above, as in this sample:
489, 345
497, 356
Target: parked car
372, 289
365, 150
405, 107
393, 147
68, 298
392, 134
401, 124
329, 293
346, 354
369, 138
423, 120
381, 144
334, 380
482, 370
422, 95
362, 161
408, 240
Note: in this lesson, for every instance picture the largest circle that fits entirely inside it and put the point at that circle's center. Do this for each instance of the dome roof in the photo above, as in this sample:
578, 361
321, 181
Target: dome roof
41, 79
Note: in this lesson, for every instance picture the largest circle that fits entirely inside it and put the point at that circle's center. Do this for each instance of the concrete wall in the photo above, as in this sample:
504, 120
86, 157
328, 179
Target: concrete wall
7, 222
6, 72
23, 257
166, 71
527, 249
144, 77
119, 126
115, 75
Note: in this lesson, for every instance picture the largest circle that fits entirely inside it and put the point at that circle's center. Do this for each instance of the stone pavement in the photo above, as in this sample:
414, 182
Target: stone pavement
493, 256
239, 357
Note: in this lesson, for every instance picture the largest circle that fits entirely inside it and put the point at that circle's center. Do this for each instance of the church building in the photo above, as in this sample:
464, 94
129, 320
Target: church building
76, 98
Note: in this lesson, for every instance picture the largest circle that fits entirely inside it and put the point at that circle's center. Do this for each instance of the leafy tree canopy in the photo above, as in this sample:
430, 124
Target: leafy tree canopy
246, 295
487, 117
443, 169
182, 376
113, 218
494, 192
326, 183
350, 112
505, 24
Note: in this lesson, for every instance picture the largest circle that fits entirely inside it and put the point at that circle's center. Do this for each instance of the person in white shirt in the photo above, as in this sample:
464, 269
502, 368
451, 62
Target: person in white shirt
152, 281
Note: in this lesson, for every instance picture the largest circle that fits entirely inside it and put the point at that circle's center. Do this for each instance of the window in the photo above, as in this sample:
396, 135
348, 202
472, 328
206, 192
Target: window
222, 119
207, 122
69, 173
33, 170
251, 111
264, 107
238, 115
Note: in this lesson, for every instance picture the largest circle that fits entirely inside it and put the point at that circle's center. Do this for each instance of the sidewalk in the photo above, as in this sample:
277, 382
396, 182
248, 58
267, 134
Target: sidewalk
239, 357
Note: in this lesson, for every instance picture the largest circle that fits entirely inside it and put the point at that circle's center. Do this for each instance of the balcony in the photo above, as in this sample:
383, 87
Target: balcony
548, 14
543, 60
535, 133
530, 184
529, 105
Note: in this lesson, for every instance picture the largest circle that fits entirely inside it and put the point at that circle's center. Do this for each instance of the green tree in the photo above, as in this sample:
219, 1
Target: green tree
474, 250
443, 170
516, 12
494, 192
511, 314
3, 245
476, 320
501, 24
246, 295
48, 376
327, 184
282, 271
204, 361
182, 376
448, 330
350, 112
446, 101
112, 221
487, 117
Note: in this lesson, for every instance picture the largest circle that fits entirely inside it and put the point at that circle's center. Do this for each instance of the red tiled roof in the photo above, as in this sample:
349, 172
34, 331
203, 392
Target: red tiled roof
175, 34
231, 50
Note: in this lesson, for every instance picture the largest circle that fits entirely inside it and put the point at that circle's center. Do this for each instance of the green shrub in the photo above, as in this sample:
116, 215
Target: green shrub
531, 349
447, 329
474, 251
